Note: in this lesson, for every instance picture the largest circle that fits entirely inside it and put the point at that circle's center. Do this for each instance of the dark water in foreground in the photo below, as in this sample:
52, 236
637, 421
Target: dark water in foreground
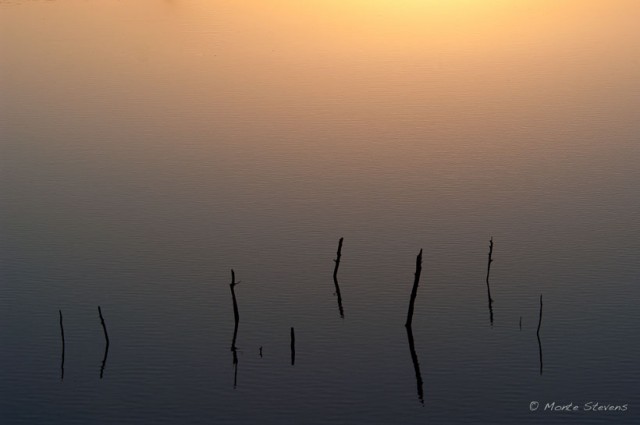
148, 149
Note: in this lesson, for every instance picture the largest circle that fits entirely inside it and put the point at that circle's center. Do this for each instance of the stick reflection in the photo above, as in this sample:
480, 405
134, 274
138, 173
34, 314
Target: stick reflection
236, 316
104, 360
106, 347
62, 334
538, 335
416, 364
234, 350
293, 347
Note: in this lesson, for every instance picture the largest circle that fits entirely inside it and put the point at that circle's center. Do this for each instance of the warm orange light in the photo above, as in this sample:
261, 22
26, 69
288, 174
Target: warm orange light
380, 26
435, 9
423, 13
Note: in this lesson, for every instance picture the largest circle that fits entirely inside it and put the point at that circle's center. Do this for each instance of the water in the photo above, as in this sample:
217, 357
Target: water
149, 148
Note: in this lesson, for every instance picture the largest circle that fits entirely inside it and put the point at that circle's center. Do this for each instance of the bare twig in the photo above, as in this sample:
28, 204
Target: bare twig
414, 290
488, 287
335, 277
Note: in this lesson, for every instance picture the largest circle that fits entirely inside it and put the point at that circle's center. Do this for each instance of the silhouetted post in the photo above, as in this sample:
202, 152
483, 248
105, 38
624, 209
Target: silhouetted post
335, 277
106, 347
520, 323
538, 334
104, 327
412, 349
416, 364
414, 291
236, 314
293, 347
540, 318
488, 287
233, 295
62, 335
235, 328
337, 260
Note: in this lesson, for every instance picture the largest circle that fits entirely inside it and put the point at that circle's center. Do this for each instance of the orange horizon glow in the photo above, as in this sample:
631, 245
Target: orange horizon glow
421, 75
379, 25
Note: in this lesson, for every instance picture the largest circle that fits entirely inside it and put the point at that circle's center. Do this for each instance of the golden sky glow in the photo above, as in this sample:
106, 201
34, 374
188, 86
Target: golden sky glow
380, 26
435, 11
319, 70
381, 83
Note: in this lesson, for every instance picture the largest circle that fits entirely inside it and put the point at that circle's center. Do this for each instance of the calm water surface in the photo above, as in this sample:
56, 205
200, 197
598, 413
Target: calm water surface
149, 147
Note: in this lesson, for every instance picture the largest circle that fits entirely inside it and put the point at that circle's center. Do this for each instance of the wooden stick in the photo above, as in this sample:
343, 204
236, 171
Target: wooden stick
487, 280
236, 314
104, 328
414, 290
335, 278
540, 318
337, 260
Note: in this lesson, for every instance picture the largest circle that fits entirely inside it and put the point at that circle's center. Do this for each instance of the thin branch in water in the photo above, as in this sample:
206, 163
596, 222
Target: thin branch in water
540, 317
335, 277
487, 280
104, 327
414, 290
232, 285
412, 349
236, 315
